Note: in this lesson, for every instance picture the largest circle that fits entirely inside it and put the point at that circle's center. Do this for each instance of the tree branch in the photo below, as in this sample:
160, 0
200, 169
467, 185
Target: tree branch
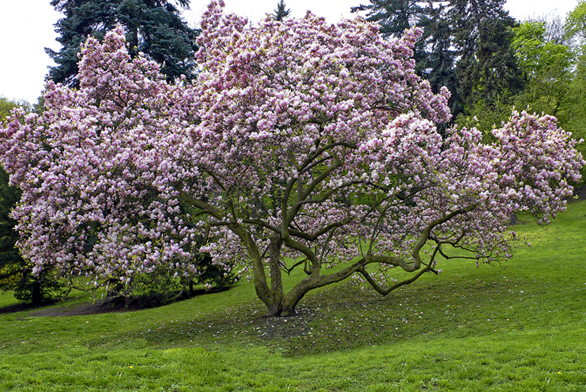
382, 291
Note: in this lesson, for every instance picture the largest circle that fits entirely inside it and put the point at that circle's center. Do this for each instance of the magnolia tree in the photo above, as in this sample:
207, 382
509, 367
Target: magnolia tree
300, 145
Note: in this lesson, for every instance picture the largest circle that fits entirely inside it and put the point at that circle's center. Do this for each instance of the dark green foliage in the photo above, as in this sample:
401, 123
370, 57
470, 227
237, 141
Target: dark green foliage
39, 289
213, 274
163, 287
435, 53
153, 27
395, 16
437, 56
466, 46
487, 71
281, 12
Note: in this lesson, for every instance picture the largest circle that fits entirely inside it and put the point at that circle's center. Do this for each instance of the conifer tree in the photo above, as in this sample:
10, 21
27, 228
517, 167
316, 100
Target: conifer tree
437, 55
466, 46
153, 27
487, 70
281, 12
394, 16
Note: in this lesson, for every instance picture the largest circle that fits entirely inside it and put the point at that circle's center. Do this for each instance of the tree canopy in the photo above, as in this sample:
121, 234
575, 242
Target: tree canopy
300, 145
547, 66
10, 261
15, 273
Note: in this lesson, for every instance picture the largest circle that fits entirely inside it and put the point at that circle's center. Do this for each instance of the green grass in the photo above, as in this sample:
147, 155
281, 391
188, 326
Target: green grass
517, 326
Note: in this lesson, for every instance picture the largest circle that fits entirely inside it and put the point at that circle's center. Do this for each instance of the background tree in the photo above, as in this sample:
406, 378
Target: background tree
575, 38
6, 106
437, 63
153, 27
575, 26
281, 12
547, 66
555, 27
465, 47
488, 75
396, 16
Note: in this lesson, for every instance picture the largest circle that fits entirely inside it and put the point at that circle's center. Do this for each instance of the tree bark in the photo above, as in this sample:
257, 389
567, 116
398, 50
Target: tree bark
275, 264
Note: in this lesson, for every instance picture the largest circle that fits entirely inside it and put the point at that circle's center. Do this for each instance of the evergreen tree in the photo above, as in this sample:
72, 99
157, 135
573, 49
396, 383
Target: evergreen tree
437, 56
434, 53
465, 46
487, 70
395, 16
153, 27
281, 12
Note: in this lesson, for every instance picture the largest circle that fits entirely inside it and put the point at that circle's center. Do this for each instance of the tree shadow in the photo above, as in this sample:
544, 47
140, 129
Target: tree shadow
108, 305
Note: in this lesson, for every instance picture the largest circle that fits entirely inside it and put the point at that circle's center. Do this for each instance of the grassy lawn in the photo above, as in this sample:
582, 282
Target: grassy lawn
517, 326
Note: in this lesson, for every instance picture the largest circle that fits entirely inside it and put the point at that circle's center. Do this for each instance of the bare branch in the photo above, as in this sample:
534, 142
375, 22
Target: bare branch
289, 270
320, 151
395, 286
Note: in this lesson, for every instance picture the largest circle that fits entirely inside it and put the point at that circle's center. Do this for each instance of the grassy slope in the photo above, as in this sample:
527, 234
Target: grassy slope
518, 326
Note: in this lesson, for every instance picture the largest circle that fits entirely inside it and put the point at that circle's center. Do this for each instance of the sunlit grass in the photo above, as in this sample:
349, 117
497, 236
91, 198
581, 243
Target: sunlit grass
517, 326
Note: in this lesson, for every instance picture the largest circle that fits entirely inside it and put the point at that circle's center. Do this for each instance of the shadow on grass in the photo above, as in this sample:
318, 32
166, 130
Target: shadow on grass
20, 307
108, 305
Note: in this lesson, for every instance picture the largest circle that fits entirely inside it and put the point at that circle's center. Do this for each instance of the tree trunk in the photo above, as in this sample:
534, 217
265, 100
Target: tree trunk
292, 298
275, 264
273, 298
37, 295
283, 306
513, 219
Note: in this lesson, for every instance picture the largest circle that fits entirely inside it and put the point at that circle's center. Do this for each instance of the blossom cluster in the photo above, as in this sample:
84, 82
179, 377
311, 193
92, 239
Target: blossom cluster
95, 170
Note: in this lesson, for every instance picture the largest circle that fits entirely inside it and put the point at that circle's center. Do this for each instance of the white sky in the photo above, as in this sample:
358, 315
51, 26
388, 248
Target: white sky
26, 28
